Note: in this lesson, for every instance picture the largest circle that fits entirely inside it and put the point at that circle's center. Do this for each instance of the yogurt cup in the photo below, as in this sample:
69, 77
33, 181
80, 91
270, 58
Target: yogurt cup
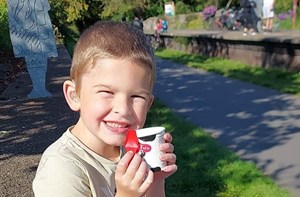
150, 138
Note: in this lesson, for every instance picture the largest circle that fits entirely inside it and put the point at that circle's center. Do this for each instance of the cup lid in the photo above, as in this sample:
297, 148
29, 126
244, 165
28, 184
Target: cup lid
149, 131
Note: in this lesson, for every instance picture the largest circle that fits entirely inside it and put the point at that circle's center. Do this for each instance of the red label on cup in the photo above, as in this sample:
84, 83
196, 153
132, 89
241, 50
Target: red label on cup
131, 141
145, 147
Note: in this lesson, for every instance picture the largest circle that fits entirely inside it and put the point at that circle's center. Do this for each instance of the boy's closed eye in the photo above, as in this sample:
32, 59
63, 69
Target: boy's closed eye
108, 93
105, 93
139, 96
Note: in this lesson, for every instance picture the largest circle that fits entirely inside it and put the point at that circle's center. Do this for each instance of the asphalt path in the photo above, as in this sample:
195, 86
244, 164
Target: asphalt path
259, 124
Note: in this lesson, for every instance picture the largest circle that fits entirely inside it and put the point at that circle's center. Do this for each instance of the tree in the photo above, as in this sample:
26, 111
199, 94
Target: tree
70, 9
295, 4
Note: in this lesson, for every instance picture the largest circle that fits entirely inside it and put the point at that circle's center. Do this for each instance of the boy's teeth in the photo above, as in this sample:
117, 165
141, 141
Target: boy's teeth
115, 125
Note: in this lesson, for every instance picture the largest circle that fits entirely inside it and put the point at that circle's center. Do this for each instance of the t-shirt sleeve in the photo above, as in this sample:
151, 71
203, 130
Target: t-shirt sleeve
58, 177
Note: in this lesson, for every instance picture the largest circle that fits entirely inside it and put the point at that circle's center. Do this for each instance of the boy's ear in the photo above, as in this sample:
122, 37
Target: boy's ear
150, 102
71, 95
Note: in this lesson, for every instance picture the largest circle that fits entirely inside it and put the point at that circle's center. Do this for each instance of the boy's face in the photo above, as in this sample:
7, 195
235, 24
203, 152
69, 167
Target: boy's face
115, 96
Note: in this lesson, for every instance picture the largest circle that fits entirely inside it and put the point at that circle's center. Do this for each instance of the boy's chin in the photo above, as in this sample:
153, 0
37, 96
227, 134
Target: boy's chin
119, 142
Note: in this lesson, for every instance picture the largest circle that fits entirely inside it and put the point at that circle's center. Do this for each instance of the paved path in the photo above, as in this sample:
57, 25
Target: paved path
259, 124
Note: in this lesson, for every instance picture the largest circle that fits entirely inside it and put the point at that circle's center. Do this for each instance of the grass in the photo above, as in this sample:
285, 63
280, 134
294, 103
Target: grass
278, 79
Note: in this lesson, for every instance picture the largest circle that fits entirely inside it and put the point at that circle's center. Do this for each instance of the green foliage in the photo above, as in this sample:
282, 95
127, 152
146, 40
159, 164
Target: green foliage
287, 23
80, 12
182, 8
113, 7
75, 9
185, 21
71, 35
194, 21
153, 9
179, 21
181, 40
72, 10
283, 6
5, 42
191, 17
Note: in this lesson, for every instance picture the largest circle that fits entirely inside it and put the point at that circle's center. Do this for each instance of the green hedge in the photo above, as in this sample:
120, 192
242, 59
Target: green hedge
5, 42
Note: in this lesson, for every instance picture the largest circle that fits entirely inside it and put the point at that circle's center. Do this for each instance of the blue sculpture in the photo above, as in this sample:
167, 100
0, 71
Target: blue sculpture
32, 37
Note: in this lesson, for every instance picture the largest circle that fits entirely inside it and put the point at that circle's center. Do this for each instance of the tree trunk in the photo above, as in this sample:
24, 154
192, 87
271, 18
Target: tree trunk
294, 13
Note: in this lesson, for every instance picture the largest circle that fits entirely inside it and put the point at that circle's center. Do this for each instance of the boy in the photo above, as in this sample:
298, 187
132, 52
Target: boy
112, 77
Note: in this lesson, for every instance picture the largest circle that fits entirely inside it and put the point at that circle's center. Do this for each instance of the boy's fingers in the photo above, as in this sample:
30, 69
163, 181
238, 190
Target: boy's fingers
170, 168
124, 162
133, 167
169, 158
140, 174
148, 181
168, 137
167, 147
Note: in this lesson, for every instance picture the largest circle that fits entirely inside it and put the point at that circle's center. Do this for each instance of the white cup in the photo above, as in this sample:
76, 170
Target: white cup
150, 138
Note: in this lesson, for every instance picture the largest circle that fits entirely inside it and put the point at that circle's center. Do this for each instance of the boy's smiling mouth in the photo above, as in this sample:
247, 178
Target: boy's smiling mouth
117, 125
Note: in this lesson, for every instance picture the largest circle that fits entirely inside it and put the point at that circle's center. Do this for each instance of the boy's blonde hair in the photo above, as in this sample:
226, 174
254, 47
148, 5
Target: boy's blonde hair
109, 39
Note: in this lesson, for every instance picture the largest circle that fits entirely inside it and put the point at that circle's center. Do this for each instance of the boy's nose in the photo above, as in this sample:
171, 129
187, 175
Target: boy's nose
122, 106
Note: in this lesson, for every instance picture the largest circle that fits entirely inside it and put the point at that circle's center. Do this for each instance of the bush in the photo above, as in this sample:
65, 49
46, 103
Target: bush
195, 22
5, 42
285, 20
182, 8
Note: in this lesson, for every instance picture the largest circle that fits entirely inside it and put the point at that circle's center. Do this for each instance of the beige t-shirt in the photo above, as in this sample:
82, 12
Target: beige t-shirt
69, 168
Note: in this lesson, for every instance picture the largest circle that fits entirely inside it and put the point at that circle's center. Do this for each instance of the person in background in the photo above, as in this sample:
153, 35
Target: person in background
268, 15
248, 18
164, 25
111, 81
158, 29
258, 13
138, 23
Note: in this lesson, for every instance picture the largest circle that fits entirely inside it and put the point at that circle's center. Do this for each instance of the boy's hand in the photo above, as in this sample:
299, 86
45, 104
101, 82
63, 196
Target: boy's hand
133, 178
169, 157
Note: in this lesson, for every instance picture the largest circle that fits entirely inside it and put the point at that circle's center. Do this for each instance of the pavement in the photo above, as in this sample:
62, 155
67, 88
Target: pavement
259, 124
